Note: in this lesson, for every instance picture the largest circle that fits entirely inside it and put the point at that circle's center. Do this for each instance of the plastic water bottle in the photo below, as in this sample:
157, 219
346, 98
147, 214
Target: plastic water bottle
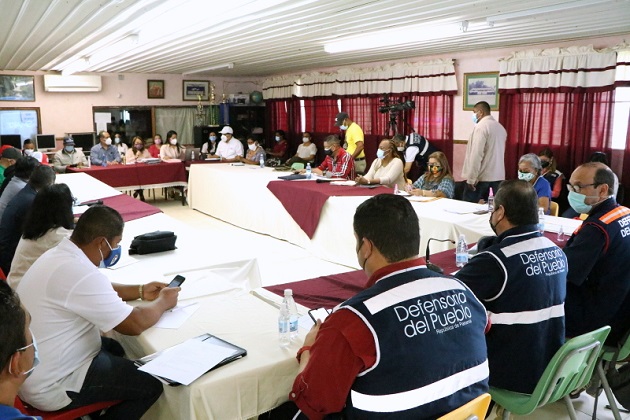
89, 161
491, 200
192, 155
262, 161
560, 234
293, 314
284, 321
308, 171
541, 220
461, 252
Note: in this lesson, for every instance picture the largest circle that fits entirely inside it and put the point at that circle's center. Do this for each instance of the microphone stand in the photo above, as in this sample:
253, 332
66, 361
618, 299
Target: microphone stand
430, 265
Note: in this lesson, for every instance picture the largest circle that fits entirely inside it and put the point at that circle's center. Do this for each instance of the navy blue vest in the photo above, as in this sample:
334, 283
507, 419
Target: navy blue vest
431, 351
527, 315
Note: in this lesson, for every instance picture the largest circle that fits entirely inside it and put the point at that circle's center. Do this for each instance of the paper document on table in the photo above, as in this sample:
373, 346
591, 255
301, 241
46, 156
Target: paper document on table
177, 316
187, 361
344, 183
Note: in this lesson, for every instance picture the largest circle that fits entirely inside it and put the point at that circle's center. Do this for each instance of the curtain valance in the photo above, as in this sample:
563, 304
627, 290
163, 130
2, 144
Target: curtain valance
423, 77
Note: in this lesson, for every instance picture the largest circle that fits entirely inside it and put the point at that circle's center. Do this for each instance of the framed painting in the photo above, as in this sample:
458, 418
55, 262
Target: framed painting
481, 87
155, 89
17, 88
193, 89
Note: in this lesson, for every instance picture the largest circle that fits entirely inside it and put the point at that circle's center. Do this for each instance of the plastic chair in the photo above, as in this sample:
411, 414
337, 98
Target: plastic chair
555, 209
606, 357
71, 414
297, 166
570, 368
472, 410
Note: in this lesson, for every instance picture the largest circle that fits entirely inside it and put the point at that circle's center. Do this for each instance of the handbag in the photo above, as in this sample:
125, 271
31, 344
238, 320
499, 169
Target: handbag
149, 243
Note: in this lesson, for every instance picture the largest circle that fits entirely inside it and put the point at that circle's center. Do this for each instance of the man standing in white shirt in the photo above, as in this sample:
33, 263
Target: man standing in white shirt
230, 148
484, 164
71, 303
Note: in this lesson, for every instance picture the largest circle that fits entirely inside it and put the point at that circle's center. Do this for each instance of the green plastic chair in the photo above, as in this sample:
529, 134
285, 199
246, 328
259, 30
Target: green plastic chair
570, 368
297, 166
606, 357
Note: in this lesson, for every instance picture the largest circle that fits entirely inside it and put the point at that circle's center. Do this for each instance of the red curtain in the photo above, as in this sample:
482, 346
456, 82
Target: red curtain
573, 124
277, 118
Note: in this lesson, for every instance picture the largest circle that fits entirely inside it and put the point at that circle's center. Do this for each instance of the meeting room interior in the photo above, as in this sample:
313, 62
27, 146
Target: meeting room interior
238, 142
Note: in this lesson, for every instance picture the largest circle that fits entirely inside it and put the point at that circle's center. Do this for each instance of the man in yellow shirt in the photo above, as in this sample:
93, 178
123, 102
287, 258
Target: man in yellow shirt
353, 139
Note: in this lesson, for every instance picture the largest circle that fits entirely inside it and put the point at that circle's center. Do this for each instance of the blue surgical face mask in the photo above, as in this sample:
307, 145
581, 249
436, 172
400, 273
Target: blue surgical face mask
380, 153
113, 258
475, 119
213, 138
69, 149
344, 127
525, 176
576, 201
35, 356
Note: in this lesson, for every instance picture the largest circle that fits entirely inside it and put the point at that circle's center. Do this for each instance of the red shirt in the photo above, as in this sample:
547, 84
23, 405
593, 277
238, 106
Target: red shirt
340, 167
281, 147
344, 347
154, 150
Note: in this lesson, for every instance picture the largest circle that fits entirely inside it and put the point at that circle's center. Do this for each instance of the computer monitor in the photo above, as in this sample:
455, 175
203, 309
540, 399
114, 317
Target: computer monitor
83, 140
14, 140
45, 141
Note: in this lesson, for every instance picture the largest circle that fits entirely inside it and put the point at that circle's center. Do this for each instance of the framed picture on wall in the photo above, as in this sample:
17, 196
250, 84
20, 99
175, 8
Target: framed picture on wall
155, 89
17, 88
481, 87
195, 88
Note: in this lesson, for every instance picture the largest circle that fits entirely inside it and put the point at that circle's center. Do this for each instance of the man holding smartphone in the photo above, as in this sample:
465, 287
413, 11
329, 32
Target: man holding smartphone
71, 302
411, 331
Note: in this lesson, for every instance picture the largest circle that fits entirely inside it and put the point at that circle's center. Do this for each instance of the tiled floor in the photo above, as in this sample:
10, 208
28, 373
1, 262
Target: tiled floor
282, 262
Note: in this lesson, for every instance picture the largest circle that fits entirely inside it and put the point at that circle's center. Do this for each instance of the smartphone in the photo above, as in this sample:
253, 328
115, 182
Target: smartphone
320, 313
177, 281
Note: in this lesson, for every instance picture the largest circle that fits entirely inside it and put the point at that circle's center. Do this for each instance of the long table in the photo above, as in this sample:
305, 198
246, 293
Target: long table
239, 195
138, 175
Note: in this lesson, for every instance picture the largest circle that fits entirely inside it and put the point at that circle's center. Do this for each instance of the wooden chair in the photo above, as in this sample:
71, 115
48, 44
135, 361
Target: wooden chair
472, 410
555, 209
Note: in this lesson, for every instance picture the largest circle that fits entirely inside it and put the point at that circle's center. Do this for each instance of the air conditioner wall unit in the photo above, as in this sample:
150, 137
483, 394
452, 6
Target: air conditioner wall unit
58, 83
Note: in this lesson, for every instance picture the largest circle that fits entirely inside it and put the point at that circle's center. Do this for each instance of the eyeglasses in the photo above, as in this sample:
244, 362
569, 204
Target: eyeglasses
578, 188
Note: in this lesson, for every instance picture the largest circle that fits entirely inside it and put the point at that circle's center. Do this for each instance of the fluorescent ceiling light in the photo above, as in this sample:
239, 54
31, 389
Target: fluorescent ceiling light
544, 10
400, 36
216, 67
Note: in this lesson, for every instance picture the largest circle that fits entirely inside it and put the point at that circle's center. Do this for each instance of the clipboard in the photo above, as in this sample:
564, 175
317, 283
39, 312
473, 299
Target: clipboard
239, 352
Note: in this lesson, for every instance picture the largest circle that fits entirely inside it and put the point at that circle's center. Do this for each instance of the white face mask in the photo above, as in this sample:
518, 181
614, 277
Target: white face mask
29, 152
108, 141
401, 149
116, 140
252, 147
306, 139
223, 137
173, 141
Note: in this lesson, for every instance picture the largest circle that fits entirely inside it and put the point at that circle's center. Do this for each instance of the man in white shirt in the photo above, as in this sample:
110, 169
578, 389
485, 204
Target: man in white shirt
71, 303
484, 164
230, 148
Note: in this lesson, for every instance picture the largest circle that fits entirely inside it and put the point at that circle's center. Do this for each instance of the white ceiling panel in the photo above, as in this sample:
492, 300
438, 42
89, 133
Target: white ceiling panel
266, 37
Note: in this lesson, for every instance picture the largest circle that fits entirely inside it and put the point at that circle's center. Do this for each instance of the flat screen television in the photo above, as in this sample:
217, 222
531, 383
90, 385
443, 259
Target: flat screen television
14, 140
83, 140
45, 141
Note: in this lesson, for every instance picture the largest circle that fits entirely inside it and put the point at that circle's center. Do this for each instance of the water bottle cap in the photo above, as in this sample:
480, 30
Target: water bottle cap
462, 236
288, 292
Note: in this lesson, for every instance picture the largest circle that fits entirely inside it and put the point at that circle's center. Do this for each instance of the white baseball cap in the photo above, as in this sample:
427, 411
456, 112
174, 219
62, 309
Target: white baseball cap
226, 130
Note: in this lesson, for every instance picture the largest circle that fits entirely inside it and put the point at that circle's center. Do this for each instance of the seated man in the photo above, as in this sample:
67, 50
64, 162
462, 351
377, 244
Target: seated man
520, 277
411, 331
24, 167
230, 149
18, 351
71, 302
598, 252
29, 150
103, 153
68, 157
8, 158
338, 162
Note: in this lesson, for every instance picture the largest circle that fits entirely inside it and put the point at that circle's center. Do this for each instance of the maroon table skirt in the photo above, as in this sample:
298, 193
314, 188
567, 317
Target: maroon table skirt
139, 174
130, 208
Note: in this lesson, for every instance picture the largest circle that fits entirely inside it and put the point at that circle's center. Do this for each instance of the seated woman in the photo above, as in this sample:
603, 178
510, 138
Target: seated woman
172, 152
438, 180
154, 149
530, 170
254, 152
550, 172
135, 153
47, 223
305, 152
210, 147
387, 169
280, 148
